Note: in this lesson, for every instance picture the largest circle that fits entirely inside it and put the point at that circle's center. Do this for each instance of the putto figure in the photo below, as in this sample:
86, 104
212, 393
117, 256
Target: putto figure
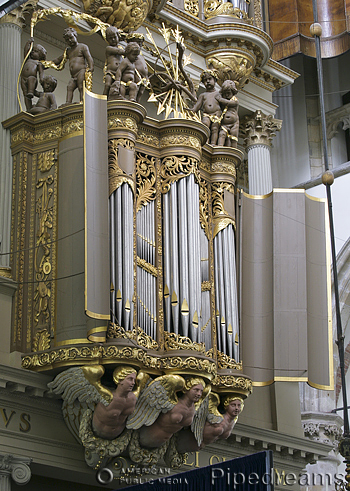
47, 100
31, 69
228, 135
125, 85
161, 412
114, 55
141, 68
208, 103
80, 62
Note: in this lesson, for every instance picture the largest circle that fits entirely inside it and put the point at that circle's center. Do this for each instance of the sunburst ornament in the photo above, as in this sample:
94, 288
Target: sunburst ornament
176, 87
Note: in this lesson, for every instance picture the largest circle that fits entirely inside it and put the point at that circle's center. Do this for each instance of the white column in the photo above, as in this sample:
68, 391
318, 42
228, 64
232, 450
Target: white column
259, 130
15, 468
10, 64
259, 169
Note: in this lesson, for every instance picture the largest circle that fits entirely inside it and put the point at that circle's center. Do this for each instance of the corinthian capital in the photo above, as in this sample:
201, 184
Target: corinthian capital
259, 129
16, 16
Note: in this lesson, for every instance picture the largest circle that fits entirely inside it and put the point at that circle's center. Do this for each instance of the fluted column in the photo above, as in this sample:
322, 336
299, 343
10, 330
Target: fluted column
15, 468
10, 63
258, 131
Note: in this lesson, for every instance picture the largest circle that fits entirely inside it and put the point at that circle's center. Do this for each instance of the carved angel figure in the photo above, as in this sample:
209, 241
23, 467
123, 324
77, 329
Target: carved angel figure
211, 425
160, 412
81, 389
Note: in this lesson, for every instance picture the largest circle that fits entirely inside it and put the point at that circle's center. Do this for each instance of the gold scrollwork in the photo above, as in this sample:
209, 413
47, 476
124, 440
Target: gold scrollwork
147, 266
115, 123
101, 446
148, 139
221, 219
48, 134
41, 341
42, 259
186, 140
224, 167
203, 207
224, 361
191, 363
206, 286
174, 341
145, 180
46, 160
235, 382
212, 8
192, 7
115, 174
138, 335
74, 126
174, 168
22, 136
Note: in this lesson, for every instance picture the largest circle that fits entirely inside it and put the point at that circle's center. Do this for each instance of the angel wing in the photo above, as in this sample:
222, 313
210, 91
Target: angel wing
82, 384
159, 396
142, 381
207, 411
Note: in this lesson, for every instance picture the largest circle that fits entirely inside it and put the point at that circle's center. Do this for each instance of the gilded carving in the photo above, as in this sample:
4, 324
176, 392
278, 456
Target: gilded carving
213, 8
22, 135
17, 16
258, 14
192, 7
174, 168
100, 446
206, 286
116, 123
115, 174
42, 259
225, 168
231, 66
148, 139
114, 332
203, 206
233, 382
145, 180
77, 125
221, 219
147, 266
174, 341
188, 141
259, 129
41, 341
191, 363
48, 134
225, 362
46, 160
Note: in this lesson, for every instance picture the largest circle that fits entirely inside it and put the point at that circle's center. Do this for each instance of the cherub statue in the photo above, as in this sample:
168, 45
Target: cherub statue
210, 425
125, 86
81, 389
141, 68
47, 100
30, 71
113, 57
80, 61
228, 134
160, 412
208, 103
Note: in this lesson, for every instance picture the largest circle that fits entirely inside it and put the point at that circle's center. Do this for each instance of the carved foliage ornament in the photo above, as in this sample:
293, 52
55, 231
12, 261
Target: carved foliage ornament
174, 168
145, 180
259, 128
116, 175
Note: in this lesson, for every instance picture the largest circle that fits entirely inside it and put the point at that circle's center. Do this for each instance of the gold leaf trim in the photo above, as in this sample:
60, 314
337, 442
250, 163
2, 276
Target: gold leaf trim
174, 168
174, 341
145, 180
149, 268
